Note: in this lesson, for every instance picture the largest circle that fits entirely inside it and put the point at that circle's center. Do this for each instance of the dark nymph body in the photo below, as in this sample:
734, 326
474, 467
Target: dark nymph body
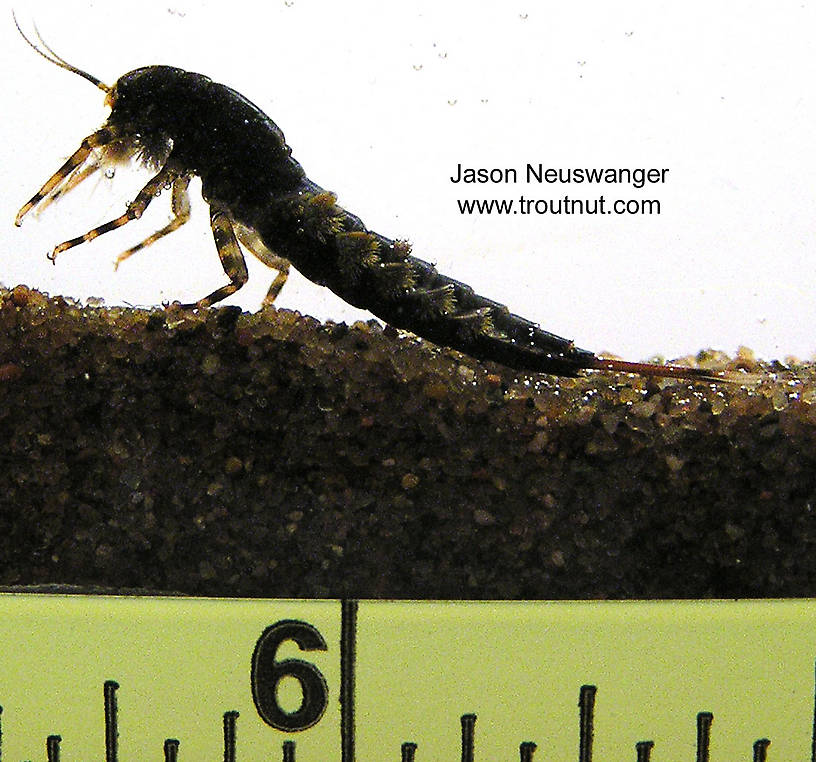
183, 124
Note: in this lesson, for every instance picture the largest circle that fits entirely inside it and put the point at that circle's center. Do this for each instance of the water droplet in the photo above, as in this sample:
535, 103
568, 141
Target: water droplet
452, 101
523, 16
110, 172
417, 67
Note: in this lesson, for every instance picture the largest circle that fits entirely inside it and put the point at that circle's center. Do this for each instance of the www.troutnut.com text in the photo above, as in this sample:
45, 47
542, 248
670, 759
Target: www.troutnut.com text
637, 178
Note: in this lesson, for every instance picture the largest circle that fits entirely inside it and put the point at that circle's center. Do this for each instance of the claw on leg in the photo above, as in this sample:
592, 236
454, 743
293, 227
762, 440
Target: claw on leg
180, 206
64, 174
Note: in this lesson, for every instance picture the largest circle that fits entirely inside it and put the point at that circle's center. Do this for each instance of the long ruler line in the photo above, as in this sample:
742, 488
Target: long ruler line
348, 658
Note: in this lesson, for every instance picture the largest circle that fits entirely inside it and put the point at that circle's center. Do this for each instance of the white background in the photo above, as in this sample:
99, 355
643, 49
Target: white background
380, 102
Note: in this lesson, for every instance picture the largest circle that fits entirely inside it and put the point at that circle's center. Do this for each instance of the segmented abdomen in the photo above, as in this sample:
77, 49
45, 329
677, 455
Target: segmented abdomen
332, 247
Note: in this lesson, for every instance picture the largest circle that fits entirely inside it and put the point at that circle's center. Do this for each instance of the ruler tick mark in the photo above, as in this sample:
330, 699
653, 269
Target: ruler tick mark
526, 749
52, 748
111, 721
704, 720
761, 750
468, 736
229, 735
586, 704
171, 747
813, 732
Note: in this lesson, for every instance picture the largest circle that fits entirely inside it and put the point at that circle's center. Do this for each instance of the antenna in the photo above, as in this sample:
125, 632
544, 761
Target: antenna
49, 55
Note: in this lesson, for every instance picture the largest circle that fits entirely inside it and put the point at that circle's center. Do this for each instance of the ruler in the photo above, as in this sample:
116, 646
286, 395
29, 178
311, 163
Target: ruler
177, 679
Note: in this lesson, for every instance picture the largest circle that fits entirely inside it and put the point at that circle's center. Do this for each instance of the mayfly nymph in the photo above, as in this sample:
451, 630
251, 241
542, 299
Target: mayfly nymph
182, 124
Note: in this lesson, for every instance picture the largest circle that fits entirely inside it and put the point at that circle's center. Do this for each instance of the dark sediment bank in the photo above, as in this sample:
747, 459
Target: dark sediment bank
270, 455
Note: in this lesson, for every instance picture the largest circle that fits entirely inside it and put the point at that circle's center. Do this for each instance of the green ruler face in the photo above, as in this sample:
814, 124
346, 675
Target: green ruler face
136, 679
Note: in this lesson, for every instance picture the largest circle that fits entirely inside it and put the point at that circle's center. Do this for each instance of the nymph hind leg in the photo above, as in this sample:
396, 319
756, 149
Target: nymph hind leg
100, 138
180, 207
255, 244
134, 211
232, 260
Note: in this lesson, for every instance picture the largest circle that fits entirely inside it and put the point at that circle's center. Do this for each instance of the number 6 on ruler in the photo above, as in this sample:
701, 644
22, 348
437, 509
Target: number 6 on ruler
268, 671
